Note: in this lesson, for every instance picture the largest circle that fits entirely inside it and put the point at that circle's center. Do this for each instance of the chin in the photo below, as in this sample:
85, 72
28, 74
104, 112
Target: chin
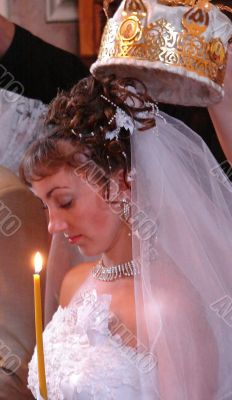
87, 252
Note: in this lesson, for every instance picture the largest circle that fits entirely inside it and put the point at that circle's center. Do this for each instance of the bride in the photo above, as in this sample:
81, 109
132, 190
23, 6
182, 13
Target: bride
134, 187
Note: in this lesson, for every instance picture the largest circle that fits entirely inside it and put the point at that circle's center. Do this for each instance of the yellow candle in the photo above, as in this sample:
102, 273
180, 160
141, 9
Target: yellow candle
39, 327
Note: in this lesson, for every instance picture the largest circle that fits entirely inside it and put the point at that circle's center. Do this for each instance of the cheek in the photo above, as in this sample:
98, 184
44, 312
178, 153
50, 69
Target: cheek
103, 219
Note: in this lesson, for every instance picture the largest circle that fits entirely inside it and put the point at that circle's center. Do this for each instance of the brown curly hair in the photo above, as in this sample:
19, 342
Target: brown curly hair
79, 120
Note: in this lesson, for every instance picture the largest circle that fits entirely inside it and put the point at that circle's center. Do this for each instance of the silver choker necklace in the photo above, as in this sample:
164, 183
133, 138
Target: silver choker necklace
107, 274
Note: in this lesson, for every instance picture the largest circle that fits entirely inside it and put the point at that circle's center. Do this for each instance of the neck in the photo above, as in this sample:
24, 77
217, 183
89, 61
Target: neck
121, 250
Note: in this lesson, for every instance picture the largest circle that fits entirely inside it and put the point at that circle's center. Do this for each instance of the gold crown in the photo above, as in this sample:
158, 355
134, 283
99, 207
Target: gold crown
134, 38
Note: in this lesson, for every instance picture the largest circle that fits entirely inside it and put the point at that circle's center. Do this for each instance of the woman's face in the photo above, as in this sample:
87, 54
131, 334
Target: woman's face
76, 209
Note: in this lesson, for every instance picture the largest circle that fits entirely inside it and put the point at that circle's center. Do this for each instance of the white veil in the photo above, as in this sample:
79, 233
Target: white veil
181, 214
182, 224
181, 230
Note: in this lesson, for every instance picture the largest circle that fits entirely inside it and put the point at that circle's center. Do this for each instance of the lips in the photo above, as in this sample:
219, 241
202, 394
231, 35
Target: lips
73, 239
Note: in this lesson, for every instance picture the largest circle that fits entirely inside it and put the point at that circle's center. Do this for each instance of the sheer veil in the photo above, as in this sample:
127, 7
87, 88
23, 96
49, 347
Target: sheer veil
182, 223
181, 232
181, 203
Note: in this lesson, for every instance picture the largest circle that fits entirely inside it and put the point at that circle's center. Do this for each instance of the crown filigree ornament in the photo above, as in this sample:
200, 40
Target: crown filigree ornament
145, 35
190, 3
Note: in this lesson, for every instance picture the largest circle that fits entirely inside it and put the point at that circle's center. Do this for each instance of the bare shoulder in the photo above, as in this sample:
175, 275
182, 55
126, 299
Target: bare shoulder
73, 280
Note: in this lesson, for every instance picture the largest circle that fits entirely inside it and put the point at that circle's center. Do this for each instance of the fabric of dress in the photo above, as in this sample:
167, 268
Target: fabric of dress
84, 359
21, 122
181, 239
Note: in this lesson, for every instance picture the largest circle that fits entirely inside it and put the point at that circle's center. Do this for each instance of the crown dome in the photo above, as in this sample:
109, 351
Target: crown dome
177, 47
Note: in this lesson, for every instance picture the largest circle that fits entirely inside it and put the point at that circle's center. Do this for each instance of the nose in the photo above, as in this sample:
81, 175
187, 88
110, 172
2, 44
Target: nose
56, 223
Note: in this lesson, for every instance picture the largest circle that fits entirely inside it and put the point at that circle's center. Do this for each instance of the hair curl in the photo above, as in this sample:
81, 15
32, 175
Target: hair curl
83, 110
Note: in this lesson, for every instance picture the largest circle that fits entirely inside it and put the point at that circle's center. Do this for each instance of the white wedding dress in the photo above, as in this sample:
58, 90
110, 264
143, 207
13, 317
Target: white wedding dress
83, 359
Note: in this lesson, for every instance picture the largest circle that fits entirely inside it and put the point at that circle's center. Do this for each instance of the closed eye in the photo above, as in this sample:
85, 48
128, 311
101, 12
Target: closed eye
66, 205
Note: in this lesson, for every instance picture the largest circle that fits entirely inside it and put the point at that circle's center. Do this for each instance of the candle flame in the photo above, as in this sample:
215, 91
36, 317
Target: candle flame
38, 262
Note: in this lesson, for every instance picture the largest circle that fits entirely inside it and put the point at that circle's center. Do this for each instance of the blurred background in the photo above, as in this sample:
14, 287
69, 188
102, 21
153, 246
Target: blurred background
71, 25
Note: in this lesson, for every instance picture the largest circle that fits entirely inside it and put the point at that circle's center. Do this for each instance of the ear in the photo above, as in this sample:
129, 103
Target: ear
118, 187
121, 180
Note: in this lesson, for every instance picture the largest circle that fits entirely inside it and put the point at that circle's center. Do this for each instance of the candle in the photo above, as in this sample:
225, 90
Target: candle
39, 326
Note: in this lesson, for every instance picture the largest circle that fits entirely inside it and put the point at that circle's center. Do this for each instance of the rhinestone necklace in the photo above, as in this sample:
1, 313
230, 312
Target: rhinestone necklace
107, 274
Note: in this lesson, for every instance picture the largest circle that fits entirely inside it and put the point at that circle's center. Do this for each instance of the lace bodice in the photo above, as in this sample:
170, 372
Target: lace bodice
83, 359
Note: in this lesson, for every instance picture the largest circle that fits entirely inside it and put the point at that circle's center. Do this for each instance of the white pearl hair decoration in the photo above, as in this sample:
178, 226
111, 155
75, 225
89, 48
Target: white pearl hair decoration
114, 133
123, 120
108, 100
81, 135
114, 105
108, 159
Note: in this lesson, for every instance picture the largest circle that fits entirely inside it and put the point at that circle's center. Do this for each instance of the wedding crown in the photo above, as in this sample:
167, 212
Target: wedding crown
187, 38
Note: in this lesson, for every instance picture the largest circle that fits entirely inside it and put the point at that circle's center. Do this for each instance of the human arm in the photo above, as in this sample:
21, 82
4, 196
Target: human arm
40, 67
7, 31
221, 113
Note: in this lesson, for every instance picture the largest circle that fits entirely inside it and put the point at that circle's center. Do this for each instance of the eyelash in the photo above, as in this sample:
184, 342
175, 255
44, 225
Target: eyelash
66, 205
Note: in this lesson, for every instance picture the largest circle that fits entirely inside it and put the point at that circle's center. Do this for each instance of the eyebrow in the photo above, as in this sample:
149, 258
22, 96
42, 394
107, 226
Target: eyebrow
48, 195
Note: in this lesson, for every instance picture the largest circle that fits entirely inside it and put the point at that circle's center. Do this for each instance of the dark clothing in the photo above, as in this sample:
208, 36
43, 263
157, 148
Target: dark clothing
41, 68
